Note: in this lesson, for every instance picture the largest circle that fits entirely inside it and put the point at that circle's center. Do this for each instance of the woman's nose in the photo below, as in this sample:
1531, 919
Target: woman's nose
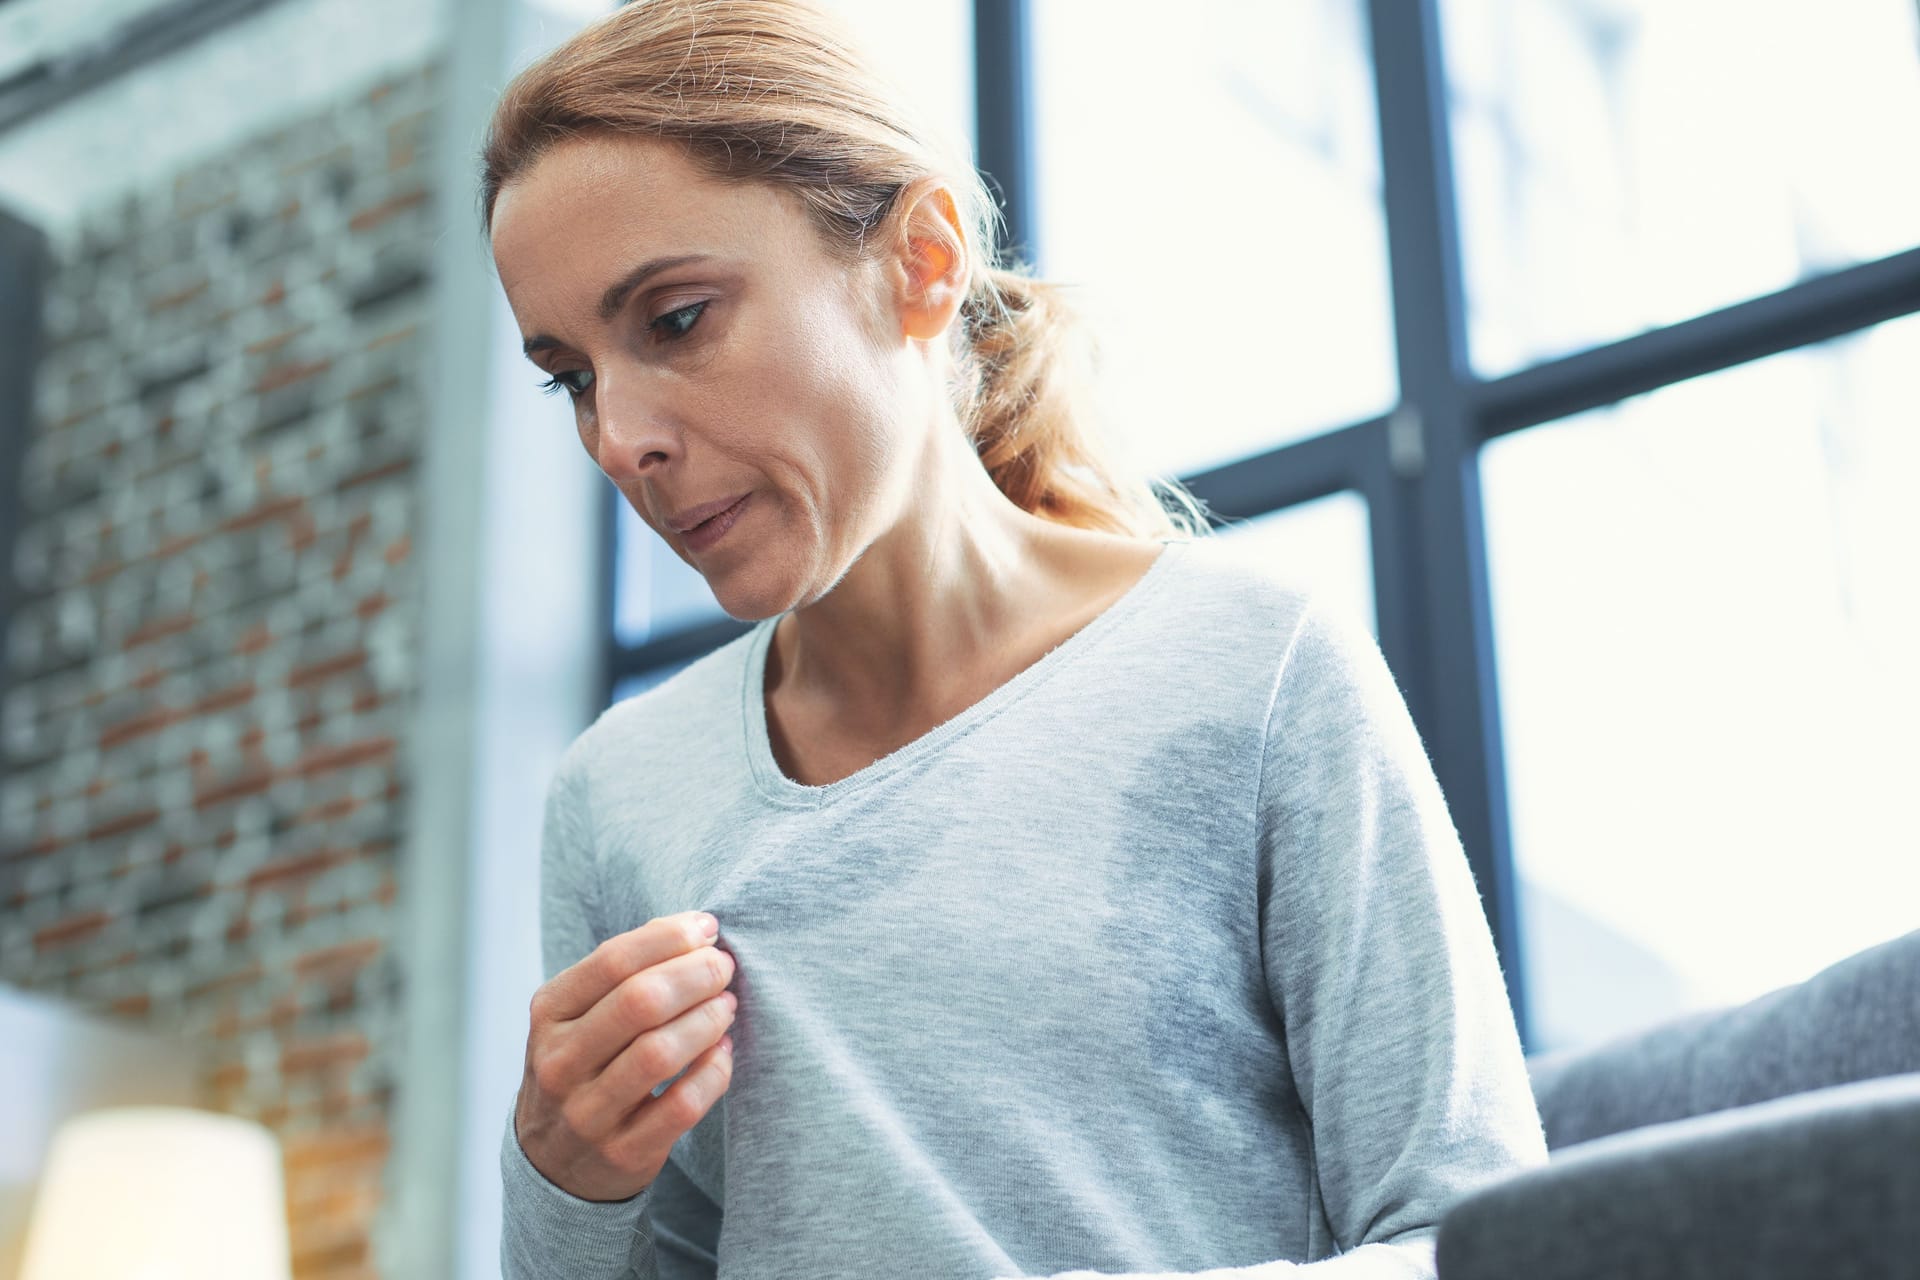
634, 427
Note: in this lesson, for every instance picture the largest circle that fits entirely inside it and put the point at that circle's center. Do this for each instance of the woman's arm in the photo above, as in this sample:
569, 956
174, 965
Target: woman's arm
545, 1230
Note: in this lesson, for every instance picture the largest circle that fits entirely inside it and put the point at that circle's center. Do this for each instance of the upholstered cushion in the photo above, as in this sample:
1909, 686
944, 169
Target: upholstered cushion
1819, 1185
1857, 1019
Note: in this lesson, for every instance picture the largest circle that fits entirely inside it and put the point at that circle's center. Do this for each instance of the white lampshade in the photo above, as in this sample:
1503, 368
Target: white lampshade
159, 1193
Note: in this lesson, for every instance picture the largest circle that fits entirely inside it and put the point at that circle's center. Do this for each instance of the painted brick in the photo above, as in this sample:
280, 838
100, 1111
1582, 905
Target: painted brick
212, 660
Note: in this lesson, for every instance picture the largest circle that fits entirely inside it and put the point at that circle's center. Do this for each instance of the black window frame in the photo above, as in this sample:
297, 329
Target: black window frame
1417, 466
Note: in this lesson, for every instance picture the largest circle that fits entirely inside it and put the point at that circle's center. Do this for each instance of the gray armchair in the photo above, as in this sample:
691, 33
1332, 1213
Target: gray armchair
1774, 1140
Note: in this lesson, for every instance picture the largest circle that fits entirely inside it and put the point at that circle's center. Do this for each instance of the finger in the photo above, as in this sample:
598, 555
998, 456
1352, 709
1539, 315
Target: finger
685, 1047
578, 988
649, 999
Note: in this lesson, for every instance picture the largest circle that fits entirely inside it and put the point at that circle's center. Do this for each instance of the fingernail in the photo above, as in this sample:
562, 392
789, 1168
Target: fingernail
708, 925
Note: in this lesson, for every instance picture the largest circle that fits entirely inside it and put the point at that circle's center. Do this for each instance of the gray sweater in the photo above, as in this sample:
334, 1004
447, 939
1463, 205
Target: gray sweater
1162, 959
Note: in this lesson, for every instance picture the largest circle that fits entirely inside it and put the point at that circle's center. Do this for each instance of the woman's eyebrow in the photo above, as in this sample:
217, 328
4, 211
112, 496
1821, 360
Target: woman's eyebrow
616, 295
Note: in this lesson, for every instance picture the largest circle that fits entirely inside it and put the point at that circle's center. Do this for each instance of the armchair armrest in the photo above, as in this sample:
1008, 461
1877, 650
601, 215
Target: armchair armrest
1822, 1184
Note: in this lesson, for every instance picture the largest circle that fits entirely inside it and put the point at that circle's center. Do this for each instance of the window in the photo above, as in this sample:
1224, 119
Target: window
1707, 611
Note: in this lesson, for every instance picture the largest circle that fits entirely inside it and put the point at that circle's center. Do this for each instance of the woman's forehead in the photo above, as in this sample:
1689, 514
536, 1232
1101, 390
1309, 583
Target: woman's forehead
596, 204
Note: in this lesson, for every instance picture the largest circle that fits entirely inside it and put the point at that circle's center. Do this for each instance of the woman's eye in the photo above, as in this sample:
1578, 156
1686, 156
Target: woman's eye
675, 324
554, 383
672, 326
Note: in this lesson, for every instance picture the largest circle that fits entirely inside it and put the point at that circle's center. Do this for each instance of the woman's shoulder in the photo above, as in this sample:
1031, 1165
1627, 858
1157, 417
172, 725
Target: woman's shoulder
1245, 581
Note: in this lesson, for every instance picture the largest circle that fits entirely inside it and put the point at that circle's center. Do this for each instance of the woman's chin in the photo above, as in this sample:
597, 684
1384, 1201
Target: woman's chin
745, 601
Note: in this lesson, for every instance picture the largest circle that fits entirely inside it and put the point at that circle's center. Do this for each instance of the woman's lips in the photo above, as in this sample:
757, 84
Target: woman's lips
704, 535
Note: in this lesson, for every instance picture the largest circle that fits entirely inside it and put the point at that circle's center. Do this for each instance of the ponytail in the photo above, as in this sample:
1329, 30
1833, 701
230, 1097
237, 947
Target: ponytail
1026, 362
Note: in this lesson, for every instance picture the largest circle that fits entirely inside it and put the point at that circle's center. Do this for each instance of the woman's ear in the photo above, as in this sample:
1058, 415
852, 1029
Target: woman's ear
931, 265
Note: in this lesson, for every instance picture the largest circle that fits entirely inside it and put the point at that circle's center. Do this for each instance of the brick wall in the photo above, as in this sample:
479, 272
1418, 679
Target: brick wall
210, 671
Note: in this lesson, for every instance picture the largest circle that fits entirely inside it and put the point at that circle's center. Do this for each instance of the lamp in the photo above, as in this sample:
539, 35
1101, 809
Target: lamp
159, 1193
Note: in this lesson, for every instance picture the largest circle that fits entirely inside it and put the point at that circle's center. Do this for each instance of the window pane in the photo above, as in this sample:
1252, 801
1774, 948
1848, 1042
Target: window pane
1626, 165
1324, 543
1707, 615
1210, 186
655, 592
927, 49
624, 689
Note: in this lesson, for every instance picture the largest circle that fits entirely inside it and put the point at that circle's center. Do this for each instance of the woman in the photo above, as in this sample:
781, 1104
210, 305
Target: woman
1086, 897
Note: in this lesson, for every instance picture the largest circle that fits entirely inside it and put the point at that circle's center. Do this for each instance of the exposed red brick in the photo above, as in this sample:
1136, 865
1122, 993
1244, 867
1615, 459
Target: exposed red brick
374, 388
231, 696
340, 962
337, 1149
287, 374
150, 676
331, 810
134, 1006
322, 759
301, 532
124, 823
138, 726
352, 660
175, 299
324, 1197
294, 871
323, 1053
228, 1024
159, 629
379, 213
278, 340
367, 700
257, 637
285, 1011
341, 152
371, 474
246, 784
397, 549
272, 509
112, 450
278, 292
103, 569
228, 981
309, 1263
73, 929
231, 1076
174, 546
398, 335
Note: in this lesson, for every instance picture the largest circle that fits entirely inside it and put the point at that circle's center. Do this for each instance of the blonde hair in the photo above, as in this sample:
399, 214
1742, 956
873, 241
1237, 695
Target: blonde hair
775, 90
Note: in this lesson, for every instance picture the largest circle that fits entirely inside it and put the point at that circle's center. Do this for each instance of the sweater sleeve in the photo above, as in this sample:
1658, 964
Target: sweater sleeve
1381, 964
545, 1230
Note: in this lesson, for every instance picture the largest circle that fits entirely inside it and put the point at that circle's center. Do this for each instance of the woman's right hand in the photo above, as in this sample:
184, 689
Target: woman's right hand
604, 1033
